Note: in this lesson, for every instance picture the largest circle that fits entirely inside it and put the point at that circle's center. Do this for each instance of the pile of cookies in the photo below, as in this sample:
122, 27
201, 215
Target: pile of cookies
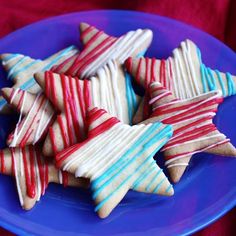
81, 123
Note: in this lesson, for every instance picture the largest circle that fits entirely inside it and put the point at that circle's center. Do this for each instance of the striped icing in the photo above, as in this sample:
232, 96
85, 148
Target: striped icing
117, 156
20, 69
184, 73
194, 130
34, 121
110, 89
32, 172
99, 48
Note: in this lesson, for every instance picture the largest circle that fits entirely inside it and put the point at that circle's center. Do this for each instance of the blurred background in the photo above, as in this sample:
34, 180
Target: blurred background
216, 17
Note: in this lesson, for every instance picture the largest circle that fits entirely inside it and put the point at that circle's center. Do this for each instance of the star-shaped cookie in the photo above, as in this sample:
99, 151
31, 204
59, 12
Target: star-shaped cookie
20, 69
117, 157
32, 173
110, 89
99, 48
183, 73
36, 115
194, 130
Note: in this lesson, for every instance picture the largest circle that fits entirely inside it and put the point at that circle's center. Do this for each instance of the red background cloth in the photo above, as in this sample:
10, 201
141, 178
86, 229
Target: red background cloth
217, 17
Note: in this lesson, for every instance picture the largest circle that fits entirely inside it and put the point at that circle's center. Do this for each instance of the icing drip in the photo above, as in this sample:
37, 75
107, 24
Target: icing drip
28, 161
31, 172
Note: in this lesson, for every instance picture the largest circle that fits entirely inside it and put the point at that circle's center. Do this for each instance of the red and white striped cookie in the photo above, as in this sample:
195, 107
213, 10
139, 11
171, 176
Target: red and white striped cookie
194, 130
99, 48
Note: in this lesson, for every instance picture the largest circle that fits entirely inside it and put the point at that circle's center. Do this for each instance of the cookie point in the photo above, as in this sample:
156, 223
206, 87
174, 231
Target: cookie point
83, 26
80, 171
102, 214
189, 41
28, 205
176, 173
149, 32
5, 92
4, 55
170, 192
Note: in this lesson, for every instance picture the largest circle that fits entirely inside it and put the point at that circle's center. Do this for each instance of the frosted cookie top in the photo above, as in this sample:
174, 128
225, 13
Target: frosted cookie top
109, 89
20, 69
194, 130
117, 157
99, 48
183, 73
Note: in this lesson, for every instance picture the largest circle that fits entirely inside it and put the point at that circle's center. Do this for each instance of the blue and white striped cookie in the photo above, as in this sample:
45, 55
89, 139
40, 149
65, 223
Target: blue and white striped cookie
117, 157
20, 70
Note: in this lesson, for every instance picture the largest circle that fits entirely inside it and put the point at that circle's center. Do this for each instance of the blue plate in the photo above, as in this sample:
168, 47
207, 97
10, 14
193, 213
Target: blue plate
208, 188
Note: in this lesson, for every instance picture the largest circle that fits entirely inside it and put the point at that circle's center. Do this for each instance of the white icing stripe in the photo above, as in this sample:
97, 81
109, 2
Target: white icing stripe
38, 180
114, 83
191, 108
184, 83
139, 37
191, 68
112, 153
101, 147
210, 114
42, 123
60, 177
195, 140
20, 194
14, 95
153, 100
217, 93
185, 91
181, 78
201, 150
188, 68
106, 94
177, 164
118, 50
76, 101
16, 134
